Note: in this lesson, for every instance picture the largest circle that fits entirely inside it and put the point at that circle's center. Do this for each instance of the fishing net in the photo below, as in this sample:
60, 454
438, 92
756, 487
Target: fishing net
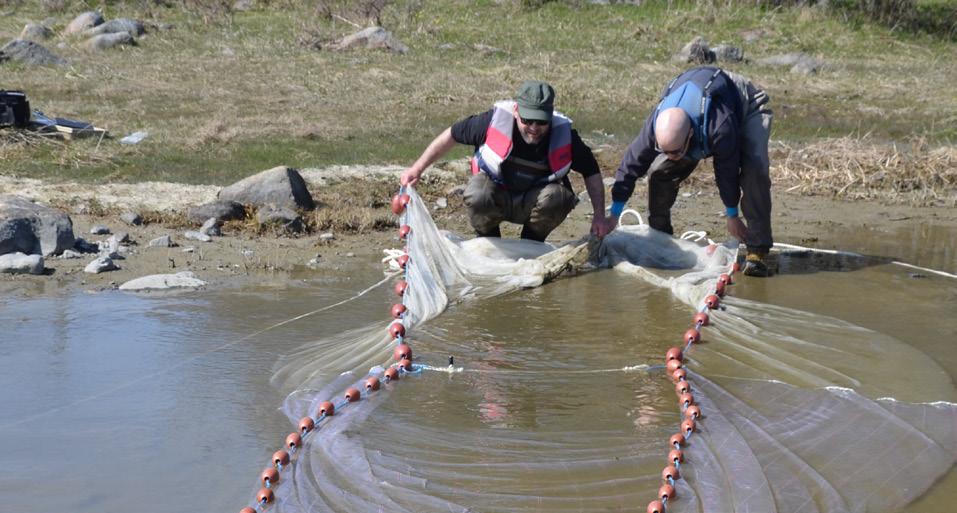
802, 412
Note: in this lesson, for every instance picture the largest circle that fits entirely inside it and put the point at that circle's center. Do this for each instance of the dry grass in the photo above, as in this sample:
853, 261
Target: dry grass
225, 99
857, 169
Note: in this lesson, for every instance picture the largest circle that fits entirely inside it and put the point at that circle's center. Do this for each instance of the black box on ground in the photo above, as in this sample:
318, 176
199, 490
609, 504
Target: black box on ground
14, 109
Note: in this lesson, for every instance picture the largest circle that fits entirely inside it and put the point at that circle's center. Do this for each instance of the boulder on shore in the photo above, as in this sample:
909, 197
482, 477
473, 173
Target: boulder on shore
181, 280
30, 228
19, 263
281, 186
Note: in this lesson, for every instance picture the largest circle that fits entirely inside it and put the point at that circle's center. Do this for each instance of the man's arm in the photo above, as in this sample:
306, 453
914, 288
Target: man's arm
596, 193
435, 150
634, 165
726, 151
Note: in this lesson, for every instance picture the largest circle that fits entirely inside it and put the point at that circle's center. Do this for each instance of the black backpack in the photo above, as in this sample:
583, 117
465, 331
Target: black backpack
14, 109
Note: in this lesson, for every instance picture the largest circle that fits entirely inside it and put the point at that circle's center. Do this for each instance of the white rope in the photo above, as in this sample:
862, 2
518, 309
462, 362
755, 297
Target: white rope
632, 212
696, 236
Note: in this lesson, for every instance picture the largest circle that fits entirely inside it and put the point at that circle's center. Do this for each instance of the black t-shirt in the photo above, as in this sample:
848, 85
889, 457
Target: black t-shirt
472, 130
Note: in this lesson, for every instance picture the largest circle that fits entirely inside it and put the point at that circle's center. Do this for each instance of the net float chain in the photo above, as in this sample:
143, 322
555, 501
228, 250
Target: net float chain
399, 202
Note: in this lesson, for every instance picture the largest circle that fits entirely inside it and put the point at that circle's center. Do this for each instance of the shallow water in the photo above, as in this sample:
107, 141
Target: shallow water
116, 403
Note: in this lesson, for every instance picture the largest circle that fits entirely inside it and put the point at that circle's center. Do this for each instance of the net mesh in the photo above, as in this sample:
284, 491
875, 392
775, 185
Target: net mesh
807, 414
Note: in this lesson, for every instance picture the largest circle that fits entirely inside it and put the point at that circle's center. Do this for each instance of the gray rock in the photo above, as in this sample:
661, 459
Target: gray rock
184, 279
32, 228
189, 249
100, 230
221, 210
83, 22
457, 190
211, 227
107, 41
19, 263
131, 218
807, 66
282, 217
202, 237
798, 62
728, 53
350, 254
243, 5
36, 32
441, 203
162, 242
327, 236
120, 238
281, 186
84, 246
100, 265
132, 27
373, 38
28, 52
696, 51
70, 254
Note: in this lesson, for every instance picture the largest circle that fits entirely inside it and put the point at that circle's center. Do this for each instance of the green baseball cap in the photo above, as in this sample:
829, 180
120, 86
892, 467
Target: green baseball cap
536, 100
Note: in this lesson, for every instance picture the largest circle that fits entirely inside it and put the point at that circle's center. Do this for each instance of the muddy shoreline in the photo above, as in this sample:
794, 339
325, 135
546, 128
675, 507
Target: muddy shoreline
244, 256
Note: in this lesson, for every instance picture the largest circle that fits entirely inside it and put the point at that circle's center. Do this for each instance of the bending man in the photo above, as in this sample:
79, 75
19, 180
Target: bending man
706, 112
523, 152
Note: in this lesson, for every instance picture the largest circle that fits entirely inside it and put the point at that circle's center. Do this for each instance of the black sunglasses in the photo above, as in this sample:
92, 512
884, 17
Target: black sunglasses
538, 122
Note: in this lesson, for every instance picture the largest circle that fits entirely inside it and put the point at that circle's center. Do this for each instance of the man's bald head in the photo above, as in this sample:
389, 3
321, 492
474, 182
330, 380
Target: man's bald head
671, 129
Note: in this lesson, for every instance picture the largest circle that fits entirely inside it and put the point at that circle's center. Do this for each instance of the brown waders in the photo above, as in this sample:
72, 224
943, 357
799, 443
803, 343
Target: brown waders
539, 210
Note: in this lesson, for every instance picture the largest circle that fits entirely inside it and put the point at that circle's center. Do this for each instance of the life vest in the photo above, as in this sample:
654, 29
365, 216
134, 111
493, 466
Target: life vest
696, 102
498, 145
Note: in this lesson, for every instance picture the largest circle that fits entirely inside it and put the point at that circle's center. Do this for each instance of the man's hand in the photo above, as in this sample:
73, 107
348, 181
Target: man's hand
409, 177
737, 229
599, 226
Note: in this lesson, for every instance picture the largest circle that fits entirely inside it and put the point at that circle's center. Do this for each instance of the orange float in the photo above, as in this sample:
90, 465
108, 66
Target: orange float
666, 491
306, 424
402, 261
687, 426
655, 507
399, 202
280, 458
352, 395
293, 440
398, 310
406, 364
672, 366
404, 231
674, 354
712, 301
676, 456
400, 287
670, 472
402, 352
692, 336
700, 318
679, 375
327, 409
685, 399
265, 496
693, 412
391, 374
676, 440
682, 387
269, 477
396, 329
372, 384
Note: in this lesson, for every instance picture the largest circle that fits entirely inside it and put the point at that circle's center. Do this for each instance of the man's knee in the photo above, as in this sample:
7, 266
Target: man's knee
480, 194
555, 200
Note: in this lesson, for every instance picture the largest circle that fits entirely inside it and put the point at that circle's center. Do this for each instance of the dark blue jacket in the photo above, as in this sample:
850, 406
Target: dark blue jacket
724, 117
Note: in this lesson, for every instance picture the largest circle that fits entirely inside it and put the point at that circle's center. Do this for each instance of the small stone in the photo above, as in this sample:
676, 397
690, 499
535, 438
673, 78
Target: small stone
131, 218
327, 236
84, 246
212, 227
189, 249
100, 265
441, 203
120, 238
99, 230
162, 242
69, 253
350, 254
202, 237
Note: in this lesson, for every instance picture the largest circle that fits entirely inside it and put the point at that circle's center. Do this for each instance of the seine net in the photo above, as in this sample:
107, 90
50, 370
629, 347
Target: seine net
802, 412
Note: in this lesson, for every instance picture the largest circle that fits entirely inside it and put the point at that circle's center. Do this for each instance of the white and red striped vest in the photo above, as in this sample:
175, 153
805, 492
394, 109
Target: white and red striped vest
498, 144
